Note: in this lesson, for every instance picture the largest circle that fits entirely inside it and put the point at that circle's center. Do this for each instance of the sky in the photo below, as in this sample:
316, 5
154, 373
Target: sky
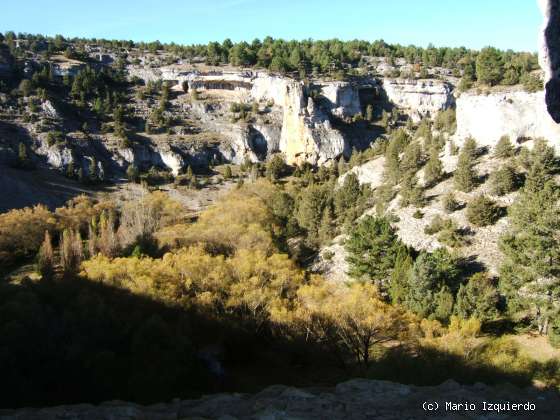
506, 24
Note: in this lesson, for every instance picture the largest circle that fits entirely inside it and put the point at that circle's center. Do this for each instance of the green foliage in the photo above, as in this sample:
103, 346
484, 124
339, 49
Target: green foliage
532, 83
275, 167
431, 283
411, 192
412, 159
310, 207
489, 66
372, 247
450, 203
464, 178
503, 180
396, 146
347, 198
446, 121
227, 172
482, 211
504, 149
433, 171
479, 298
531, 249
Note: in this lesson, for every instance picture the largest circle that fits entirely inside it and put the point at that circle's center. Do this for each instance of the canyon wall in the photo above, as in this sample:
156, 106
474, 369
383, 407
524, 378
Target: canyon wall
518, 114
419, 98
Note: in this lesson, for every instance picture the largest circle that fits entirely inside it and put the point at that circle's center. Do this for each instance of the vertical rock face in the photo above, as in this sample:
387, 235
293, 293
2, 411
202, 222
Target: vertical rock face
549, 55
517, 114
307, 135
419, 98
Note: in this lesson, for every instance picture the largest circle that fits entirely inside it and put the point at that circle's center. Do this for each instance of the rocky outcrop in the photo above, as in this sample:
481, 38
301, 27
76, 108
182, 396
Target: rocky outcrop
549, 55
419, 98
307, 135
343, 98
518, 114
353, 400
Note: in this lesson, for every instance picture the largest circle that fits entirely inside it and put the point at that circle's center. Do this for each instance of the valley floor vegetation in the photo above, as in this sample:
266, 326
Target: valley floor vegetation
135, 300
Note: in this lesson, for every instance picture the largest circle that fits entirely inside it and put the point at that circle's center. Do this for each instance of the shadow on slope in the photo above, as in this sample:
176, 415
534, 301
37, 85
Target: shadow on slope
75, 341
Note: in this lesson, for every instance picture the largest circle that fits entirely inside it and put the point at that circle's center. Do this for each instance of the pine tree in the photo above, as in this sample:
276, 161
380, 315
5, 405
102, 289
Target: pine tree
433, 171
482, 211
503, 180
529, 276
489, 66
432, 277
372, 249
464, 178
479, 298
391, 171
411, 193
504, 149
348, 195
412, 159
326, 228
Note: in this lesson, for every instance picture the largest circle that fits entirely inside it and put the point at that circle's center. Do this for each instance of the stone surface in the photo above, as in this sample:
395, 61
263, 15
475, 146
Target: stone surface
355, 400
549, 55
518, 114
419, 98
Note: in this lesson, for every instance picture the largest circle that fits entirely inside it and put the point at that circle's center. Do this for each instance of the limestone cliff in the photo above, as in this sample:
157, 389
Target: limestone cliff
307, 135
518, 114
419, 98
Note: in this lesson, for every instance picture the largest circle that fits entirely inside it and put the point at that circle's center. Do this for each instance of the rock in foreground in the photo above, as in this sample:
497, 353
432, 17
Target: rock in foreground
355, 399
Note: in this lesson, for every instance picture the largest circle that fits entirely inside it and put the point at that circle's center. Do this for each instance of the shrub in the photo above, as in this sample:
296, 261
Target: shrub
482, 211
450, 203
22, 232
531, 82
437, 224
418, 214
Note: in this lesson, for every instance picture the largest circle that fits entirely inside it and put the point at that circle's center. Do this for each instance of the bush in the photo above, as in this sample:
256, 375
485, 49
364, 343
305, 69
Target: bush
482, 211
531, 83
436, 225
450, 203
22, 232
